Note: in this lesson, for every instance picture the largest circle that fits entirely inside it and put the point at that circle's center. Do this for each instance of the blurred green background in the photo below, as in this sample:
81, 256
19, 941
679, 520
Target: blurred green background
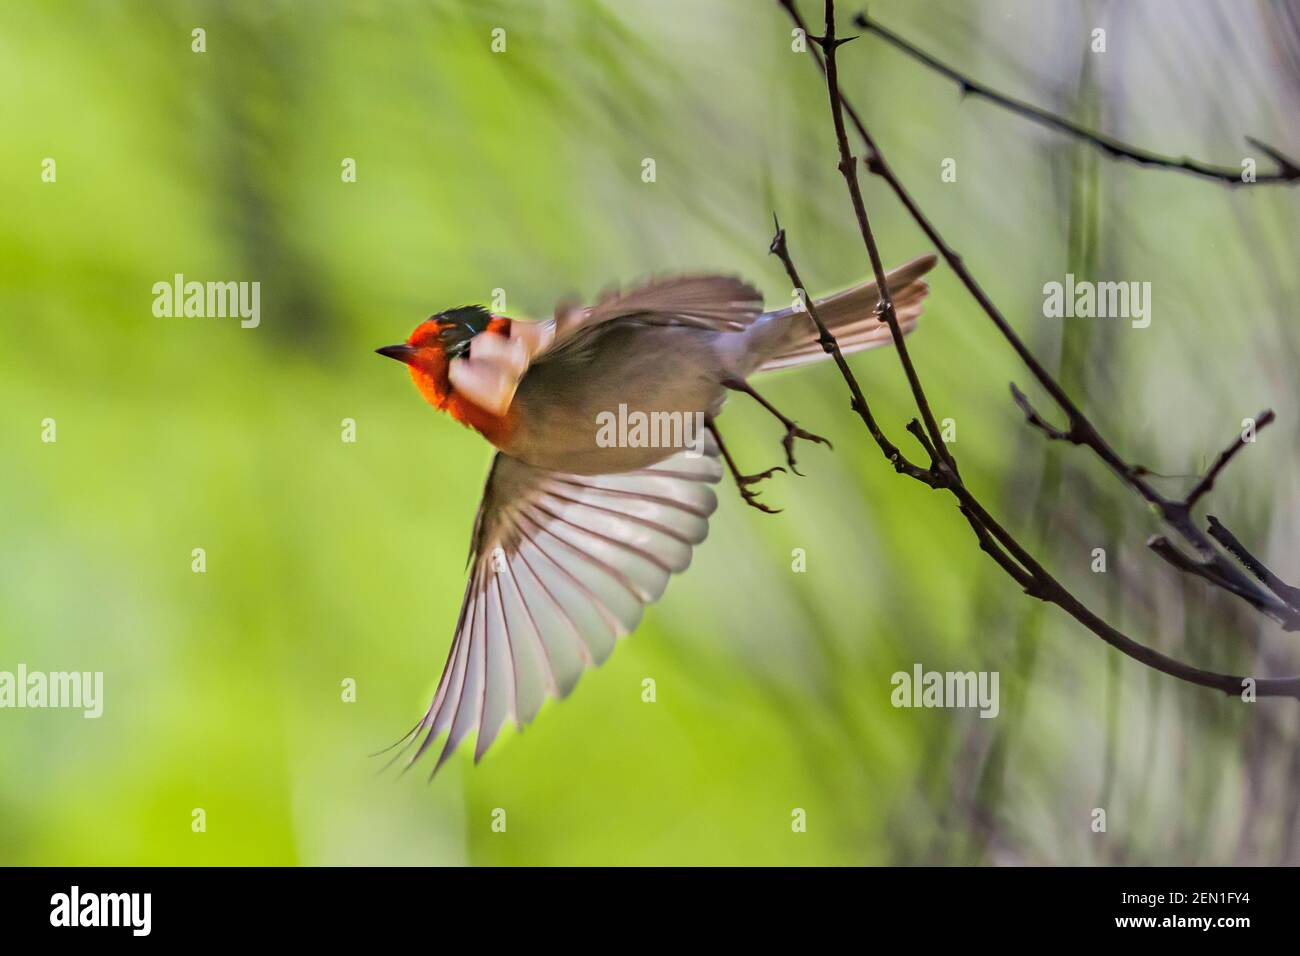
521, 171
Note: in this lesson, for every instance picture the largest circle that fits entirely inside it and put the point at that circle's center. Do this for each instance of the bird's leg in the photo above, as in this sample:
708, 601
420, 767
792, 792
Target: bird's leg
743, 481
792, 430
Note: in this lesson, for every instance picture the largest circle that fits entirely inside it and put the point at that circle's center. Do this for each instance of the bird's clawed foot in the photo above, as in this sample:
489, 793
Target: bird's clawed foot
743, 482
793, 431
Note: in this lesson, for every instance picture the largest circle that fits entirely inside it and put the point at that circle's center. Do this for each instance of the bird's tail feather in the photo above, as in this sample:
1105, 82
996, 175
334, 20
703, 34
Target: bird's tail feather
849, 315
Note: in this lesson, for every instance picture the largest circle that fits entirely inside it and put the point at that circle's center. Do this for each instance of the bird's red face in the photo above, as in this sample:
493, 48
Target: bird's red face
437, 340
428, 353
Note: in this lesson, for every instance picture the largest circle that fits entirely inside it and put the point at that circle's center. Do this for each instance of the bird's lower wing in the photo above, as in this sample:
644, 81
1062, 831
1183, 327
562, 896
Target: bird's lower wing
561, 566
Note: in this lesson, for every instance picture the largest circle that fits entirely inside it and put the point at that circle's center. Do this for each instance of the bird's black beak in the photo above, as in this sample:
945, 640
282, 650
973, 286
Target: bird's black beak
403, 353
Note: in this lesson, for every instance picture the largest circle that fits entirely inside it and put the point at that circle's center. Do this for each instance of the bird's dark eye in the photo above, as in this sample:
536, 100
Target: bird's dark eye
455, 340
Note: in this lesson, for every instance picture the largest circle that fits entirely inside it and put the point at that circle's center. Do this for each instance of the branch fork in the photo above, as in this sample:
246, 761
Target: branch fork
1260, 588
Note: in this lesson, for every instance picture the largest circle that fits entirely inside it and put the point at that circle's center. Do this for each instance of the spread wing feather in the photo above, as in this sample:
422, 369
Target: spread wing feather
561, 566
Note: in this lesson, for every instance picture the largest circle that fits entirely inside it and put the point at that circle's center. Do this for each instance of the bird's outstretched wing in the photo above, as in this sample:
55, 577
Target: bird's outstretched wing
723, 303
561, 566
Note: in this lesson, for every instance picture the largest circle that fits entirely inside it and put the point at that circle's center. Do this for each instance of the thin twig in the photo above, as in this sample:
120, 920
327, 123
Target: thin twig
1256, 567
1203, 486
1288, 171
859, 404
1169, 552
1037, 420
937, 475
849, 169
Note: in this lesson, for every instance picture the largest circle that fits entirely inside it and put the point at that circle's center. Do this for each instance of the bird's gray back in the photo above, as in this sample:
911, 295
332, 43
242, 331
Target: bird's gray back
628, 367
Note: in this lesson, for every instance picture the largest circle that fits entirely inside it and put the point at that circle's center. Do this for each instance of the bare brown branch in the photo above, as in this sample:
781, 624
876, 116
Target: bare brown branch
859, 404
1288, 171
849, 169
1203, 486
1209, 563
1256, 567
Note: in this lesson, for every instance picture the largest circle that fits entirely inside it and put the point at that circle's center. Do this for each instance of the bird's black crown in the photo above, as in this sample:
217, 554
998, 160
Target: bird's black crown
459, 326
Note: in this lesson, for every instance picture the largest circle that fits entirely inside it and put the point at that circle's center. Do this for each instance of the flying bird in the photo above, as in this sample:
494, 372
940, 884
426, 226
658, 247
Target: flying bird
579, 529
